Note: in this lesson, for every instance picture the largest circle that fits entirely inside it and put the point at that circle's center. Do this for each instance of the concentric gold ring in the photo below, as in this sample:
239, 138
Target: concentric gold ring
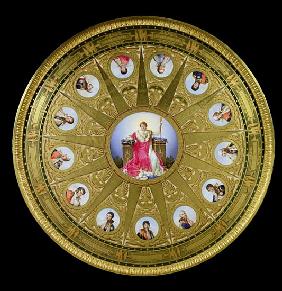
249, 137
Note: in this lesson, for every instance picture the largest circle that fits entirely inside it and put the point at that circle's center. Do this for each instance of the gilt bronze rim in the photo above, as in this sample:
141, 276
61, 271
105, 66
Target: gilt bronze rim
233, 152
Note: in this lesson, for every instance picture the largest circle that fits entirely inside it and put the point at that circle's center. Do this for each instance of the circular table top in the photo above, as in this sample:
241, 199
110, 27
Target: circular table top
143, 146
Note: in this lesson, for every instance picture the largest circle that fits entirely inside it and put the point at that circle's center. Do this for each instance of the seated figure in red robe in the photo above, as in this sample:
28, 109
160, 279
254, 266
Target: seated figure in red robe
145, 163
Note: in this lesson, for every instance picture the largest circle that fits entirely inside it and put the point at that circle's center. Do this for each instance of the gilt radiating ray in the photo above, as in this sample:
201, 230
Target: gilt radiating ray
166, 99
197, 163
193, 137
96, 115
181, 117
108, 189
177, 180
97, 141
98, 164
133, 197
119, 102
159, 199
142, 96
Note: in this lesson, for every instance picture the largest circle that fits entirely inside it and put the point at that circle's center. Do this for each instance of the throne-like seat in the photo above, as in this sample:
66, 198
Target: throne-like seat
158, 144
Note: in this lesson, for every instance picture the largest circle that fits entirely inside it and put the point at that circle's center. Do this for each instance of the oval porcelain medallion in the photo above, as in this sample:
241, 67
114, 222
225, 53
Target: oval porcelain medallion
143, 146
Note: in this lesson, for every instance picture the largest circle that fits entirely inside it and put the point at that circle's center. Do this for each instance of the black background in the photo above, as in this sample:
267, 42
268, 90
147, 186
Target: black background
30, 36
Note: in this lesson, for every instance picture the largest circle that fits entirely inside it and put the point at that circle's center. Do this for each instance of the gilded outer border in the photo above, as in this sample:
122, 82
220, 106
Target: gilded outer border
201, 35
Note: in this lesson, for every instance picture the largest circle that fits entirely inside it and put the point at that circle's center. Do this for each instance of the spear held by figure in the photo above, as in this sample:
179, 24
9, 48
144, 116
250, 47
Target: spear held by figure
161, 119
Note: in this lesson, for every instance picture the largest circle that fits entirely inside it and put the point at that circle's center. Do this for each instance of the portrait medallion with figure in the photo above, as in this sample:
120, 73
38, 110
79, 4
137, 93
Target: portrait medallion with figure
143, 146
